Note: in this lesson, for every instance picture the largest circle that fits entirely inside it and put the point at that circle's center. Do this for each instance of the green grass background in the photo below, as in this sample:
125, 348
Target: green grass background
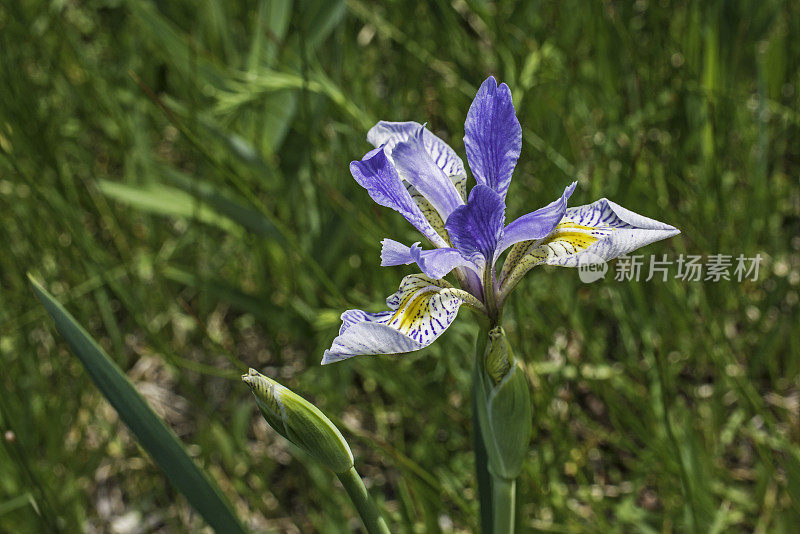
177, 175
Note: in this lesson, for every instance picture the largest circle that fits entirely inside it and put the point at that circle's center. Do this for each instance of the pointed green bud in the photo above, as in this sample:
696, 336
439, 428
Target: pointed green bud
300, 422
504, 408
499, 357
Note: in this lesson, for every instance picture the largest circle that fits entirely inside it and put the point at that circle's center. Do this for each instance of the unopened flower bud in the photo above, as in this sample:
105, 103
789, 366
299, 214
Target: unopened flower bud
300, 422
504, 408
499, 357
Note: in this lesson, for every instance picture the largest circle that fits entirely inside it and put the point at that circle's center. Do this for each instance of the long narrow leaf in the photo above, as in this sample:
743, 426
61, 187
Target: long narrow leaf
223, 204
160, 442
163, 200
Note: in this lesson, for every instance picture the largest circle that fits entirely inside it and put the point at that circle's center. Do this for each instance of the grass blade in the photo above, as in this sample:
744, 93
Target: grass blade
20, 501
160, 442
224, 205
164, 200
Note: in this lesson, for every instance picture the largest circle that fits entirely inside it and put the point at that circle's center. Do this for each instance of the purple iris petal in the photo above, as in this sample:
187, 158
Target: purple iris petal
395, 253
378, 176
415, 165
477, 227
537, 224
391, 133
436, 263
493, 136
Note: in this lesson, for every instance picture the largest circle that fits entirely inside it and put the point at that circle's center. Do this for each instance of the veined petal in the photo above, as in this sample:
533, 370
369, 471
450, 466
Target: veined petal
419, 312
476, 228
460, 183
537, 224
430, 213
395, 253
594, 233
436, 263
351, 317
391, 133
493, 136
379, 177
415, 165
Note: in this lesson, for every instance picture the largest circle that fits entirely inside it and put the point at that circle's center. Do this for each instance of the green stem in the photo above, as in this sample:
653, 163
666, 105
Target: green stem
489, 297
503, 503
481, 459
355, 488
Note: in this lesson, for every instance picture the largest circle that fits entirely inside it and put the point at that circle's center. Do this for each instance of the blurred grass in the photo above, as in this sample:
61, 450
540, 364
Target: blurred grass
177, 174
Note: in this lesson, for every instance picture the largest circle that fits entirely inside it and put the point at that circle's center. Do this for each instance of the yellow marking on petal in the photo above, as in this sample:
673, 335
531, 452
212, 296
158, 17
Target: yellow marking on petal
578, 240
402, 305
568, 224
411, 308
566, 239
414, 311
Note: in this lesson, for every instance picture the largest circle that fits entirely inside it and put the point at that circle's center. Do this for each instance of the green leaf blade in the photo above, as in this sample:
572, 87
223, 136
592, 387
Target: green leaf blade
153, 435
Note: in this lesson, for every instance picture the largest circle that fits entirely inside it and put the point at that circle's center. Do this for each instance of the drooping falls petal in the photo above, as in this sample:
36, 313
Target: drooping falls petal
391, 133
537, 224
476, 228
436, 263
415, 165
594, 233
418, 313
378, 176
493, 136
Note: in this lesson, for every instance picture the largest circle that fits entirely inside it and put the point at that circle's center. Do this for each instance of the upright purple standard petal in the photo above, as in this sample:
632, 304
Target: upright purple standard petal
477, 227
493, 136
415, 165
378, 176
537, 224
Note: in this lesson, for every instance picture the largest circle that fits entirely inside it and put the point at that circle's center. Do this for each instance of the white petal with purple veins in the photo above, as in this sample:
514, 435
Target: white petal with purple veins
390, 133
419, 312
596, 232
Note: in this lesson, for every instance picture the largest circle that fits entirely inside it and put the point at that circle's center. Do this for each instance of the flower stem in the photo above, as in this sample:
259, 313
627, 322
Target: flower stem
481, 459
366, 507
503, 504
490, 297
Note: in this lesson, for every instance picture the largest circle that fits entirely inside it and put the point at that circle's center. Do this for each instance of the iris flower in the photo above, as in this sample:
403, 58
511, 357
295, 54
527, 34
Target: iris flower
414, 172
